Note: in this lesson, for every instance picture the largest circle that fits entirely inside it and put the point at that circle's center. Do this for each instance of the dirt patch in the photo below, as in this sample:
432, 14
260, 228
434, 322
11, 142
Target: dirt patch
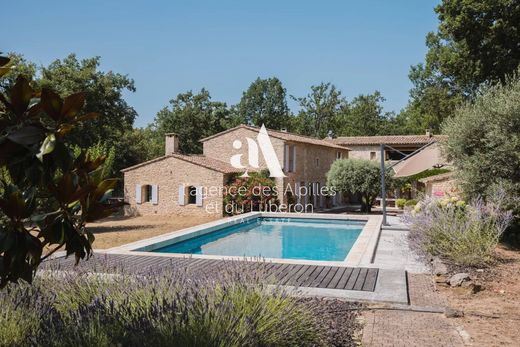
117, 231
339, 319
493, 314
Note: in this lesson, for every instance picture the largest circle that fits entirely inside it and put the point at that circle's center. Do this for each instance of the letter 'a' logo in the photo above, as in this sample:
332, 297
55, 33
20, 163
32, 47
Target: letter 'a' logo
263, 142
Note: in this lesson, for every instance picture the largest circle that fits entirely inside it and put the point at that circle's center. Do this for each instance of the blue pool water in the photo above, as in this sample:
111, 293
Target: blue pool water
285, 238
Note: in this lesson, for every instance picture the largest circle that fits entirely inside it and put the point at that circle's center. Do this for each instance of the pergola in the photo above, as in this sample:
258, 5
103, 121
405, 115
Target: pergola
424, 158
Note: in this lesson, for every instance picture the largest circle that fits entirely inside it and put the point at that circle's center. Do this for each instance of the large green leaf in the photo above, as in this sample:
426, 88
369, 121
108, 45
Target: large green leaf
72, 105
20, 96
51, 104
27, 136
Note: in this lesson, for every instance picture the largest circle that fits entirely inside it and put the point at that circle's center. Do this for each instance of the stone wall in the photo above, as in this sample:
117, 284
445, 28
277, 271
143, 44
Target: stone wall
441, 188
364, 152
168, 174
307, 170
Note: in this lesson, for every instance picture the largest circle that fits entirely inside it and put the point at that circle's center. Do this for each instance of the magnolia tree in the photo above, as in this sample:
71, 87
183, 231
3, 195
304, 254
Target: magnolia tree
47, 193
357, 176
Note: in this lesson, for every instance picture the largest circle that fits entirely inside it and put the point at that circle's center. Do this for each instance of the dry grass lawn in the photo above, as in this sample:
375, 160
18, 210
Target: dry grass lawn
117, 231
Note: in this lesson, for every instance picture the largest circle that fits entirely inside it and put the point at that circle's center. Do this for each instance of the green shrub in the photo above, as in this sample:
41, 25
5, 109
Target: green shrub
411, 202
399, 203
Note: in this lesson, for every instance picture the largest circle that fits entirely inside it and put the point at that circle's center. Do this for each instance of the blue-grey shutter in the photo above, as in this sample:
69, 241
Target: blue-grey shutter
155, 194
138, 190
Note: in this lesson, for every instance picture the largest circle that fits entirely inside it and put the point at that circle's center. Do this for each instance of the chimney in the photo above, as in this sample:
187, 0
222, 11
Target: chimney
283, 130
171, 144
429, 133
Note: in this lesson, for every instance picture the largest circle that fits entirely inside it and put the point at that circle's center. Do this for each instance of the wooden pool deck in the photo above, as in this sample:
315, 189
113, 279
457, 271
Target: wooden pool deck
297, 275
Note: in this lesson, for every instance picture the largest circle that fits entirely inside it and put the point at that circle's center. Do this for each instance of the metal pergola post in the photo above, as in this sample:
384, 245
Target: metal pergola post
383, 183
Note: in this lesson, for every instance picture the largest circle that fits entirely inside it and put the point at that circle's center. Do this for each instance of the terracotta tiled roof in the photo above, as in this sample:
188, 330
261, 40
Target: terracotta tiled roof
389, 140
200, 160
283, 135
209, 163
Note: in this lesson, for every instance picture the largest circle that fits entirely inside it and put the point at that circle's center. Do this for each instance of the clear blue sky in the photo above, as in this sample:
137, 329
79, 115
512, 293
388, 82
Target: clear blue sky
169, 47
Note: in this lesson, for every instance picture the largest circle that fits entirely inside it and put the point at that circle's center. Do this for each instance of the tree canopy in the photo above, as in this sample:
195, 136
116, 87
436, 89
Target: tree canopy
265, 102
484, 142
357, 176
192, 117
319, 110
477, 43
104, 94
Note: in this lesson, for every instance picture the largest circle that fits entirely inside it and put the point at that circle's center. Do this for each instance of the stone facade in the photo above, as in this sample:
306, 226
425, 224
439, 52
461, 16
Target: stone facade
305, 162
366, 152
168, 175
440, 185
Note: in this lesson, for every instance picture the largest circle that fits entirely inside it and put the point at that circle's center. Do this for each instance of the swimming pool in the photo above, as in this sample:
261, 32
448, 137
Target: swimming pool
272, 237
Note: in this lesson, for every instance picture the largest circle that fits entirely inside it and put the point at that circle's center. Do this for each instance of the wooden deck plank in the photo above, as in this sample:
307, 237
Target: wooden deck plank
325, 282
292, 272
361, 279
320, 277
337, 276
284, 270
370, 281
300, 275
344, 278
291, 280
312, 276
352, 279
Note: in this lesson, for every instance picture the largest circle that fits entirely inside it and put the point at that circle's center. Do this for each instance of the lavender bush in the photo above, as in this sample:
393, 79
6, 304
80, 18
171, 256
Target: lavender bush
460, 233
164, 308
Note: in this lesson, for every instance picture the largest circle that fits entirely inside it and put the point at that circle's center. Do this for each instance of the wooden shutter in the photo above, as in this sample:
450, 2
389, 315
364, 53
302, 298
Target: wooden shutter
155, 194
198, 200
138, 194
182, 195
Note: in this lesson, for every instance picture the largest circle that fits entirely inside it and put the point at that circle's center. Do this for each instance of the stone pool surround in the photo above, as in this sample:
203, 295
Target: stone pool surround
361, 254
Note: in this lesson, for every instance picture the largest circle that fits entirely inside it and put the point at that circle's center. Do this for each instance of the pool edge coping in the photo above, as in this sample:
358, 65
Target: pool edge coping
360, 254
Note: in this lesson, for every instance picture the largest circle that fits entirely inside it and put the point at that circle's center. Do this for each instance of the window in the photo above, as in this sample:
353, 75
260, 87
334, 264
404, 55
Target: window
192, 195
372, 155
147, 190
338, 155
317, 162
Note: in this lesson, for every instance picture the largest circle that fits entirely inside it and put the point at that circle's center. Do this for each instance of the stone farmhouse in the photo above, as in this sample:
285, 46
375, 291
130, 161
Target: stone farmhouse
191, 184
188, 184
